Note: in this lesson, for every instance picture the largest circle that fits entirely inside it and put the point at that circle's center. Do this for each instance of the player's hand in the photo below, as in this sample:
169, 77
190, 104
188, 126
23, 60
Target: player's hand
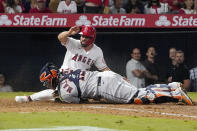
74, 30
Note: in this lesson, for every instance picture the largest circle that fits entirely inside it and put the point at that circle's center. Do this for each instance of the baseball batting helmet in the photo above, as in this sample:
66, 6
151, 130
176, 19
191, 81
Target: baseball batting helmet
48, 75
88, 31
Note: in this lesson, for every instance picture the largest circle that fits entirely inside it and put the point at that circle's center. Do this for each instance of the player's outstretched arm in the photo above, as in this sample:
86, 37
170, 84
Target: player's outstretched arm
63, 36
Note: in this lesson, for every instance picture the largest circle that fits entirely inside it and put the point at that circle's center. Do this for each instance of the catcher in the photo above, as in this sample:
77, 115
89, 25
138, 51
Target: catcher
72, 85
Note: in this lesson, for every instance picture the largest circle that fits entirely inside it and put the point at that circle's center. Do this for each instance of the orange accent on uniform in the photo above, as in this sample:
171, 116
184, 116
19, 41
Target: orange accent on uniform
177, 97
54, 73
138, 101
186, 100
42, 76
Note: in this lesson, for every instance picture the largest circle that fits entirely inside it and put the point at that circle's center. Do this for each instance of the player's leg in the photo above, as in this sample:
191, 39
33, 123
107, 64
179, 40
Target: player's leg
39, 96
115, 89
184, 97
160, 93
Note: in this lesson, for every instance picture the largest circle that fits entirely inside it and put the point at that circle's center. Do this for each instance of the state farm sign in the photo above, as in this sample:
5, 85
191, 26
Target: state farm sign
98, 20
38, 21
177, 21
118, 21
33, 20
184, 21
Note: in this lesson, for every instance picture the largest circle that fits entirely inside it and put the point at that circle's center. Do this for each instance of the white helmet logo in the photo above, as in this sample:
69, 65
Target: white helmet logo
4, 20
83, 20
163, 21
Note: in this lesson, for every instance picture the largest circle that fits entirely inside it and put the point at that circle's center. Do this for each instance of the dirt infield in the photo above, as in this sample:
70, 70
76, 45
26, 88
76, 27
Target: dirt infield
167, 110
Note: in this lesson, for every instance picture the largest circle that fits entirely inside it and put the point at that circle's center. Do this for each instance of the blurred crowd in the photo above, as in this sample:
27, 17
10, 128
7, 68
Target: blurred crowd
4, 87
99, 6
146, 72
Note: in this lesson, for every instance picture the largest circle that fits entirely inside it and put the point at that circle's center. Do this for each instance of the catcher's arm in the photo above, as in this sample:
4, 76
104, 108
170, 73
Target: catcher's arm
63, 36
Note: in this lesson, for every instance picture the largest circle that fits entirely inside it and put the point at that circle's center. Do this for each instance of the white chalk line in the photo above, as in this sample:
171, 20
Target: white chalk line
137, 110
65, 128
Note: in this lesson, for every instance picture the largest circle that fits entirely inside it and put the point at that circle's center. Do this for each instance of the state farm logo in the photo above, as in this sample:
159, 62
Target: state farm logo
33, 20
163, 21
83, 20
4, 20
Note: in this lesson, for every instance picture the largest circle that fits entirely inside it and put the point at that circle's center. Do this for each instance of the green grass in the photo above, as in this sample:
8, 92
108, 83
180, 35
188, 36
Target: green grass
193, 95
12, 120
37, 120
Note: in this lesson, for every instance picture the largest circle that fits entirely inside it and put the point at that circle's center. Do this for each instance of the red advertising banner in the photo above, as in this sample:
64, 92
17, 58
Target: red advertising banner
98, 20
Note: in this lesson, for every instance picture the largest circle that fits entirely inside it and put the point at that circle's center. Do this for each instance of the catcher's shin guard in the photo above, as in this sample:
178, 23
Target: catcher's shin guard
157, 98
161, 94
181, 95
185, 98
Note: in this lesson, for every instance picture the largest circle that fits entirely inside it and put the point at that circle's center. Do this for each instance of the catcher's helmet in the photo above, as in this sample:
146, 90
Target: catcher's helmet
48, 75
88, 31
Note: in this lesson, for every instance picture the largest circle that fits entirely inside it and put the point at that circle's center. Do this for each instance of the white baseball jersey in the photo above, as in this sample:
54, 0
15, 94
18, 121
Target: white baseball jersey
155, 9
11, 10
108, 85
77, 58
67, 9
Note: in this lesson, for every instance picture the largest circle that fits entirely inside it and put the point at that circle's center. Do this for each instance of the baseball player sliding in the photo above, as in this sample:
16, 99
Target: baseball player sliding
81, 54
73, 85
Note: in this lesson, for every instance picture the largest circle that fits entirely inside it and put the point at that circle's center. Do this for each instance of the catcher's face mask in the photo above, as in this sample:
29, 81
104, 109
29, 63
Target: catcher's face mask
48, 76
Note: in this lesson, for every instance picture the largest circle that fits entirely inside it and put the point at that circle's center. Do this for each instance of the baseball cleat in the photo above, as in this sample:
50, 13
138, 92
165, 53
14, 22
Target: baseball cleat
185, 98
21, 99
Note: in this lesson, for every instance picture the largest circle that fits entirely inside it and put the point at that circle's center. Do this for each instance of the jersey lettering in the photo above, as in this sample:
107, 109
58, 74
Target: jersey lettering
89, 60
69, 89
75, 57
82, 75
80, 57
83, 59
